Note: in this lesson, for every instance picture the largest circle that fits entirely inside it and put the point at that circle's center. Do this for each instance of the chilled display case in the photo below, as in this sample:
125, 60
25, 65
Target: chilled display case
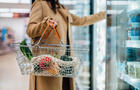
99, 48
81, 40
123, 45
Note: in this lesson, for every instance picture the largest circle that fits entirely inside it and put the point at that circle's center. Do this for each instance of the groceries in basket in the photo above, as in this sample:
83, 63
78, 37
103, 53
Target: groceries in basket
31, 61
25, 50
53, 66
69, 68
45, 63
48, 65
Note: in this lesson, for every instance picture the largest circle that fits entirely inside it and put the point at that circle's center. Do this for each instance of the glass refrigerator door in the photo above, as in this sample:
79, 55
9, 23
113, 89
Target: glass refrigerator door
123, 36
81, 40
99, 48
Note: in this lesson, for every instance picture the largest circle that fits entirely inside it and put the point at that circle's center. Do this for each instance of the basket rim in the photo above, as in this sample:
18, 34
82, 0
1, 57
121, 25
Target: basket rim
52, 46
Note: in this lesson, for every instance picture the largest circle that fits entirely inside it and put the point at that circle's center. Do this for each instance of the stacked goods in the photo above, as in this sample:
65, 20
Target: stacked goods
133, 53
134, 27
133, 33
134, 69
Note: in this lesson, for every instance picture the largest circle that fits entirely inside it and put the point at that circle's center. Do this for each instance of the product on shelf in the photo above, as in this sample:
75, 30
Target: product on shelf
134, 25
6, 39
137, 69
131, 70
134, 34
131, 54
135, 18
134, 69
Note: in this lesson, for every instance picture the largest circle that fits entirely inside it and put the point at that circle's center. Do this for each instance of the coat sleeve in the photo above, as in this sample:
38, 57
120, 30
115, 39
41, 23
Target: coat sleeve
36, 23
87, 20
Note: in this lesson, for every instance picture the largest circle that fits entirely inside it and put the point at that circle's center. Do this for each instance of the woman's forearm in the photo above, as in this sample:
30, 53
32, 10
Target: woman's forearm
88, 20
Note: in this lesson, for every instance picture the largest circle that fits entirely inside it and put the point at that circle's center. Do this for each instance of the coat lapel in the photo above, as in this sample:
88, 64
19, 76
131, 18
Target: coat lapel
67, 17
64, 13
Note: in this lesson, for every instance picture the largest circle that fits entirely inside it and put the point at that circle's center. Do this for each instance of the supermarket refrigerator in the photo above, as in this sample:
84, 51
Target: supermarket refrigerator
99, 44
122, 45
116, 64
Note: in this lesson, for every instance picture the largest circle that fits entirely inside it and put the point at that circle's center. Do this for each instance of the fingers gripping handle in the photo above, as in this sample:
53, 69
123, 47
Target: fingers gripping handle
46, 29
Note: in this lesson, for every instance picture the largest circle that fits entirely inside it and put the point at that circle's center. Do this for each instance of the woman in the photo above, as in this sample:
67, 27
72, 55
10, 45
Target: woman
42, 13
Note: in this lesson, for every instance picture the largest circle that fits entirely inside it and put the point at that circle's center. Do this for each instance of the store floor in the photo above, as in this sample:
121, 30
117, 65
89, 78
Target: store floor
10, 77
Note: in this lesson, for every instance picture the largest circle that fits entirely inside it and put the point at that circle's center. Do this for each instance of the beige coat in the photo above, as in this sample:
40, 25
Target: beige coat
39, 14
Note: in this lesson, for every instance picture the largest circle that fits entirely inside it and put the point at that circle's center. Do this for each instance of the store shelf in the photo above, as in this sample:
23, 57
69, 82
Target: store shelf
15, 5
133, 43
134, 82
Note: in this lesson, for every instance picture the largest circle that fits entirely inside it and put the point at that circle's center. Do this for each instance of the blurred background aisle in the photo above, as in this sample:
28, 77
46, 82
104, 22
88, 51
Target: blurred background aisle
10, 77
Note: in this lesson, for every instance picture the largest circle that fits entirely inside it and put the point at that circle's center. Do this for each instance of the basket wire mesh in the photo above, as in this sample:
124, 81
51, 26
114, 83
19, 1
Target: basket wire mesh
49, 59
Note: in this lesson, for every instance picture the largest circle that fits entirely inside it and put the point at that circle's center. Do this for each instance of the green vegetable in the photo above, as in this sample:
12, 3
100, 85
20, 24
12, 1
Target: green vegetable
66, 70
55, 55
25, 50
65, 58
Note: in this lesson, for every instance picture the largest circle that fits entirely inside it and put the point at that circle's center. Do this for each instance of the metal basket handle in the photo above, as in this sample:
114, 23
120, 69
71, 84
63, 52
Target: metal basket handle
57, 34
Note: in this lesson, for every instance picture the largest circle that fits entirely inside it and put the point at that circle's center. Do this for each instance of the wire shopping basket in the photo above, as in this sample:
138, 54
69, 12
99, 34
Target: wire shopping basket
48, 59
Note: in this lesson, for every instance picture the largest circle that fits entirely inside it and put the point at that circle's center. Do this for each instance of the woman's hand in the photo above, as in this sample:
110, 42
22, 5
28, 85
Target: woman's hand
52, 22
48, 20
